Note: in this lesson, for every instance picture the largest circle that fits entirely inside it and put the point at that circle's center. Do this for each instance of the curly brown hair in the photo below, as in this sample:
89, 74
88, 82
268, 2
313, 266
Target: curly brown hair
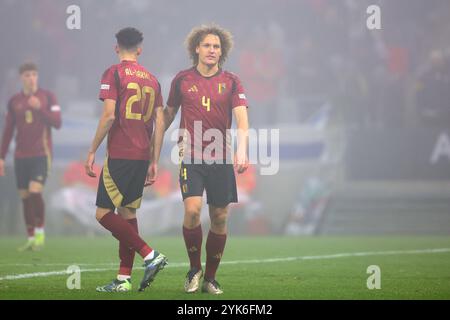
199, 33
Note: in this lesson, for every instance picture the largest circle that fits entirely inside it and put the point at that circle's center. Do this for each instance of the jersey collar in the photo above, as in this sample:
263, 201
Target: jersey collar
216, 74
129, 61
24, 95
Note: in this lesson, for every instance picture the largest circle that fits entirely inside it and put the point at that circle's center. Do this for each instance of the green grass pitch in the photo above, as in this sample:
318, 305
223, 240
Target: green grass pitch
254, 268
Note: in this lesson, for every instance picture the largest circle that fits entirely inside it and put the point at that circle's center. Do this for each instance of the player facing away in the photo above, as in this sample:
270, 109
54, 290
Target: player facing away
132, 107
208, 96
31, 113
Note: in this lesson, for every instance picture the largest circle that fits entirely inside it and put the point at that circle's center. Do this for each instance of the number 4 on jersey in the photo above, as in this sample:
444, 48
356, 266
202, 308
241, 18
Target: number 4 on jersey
206, 102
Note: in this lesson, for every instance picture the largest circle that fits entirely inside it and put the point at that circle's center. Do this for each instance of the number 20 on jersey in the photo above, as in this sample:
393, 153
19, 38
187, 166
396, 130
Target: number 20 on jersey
140, 97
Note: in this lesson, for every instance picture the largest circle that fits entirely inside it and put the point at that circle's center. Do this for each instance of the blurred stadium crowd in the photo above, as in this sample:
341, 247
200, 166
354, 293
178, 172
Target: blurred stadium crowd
293, 56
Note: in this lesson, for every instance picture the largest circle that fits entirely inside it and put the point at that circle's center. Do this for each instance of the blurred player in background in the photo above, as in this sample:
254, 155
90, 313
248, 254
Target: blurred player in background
208, 95
32, 112
131, 101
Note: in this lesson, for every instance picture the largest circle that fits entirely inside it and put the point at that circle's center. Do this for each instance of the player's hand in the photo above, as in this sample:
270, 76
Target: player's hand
2, 167
152, 173
240, 162
89, 165
34, 102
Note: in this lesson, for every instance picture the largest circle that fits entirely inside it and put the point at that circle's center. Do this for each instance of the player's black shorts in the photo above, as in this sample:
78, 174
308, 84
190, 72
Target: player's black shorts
31, 169
121, 183
218, 180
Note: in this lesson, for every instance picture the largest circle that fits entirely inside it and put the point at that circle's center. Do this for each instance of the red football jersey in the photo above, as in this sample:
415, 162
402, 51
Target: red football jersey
136, 92
209, 100
34, 136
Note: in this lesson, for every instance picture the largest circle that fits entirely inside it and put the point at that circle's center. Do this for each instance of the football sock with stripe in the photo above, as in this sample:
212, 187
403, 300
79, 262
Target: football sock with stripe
39, 209
28, 214
193, 241
124, 232
126, 254
215, 244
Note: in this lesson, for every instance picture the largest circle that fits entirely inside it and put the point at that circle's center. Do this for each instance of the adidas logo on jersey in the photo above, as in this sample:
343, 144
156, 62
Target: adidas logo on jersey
193, 89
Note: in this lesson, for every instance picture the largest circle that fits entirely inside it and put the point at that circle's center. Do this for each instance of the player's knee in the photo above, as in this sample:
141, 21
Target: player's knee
219, 220
35, 187
192, 215
127, 213
99, 215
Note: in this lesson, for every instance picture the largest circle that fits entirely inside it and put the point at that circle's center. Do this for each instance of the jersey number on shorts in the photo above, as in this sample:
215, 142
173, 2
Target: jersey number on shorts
140, 96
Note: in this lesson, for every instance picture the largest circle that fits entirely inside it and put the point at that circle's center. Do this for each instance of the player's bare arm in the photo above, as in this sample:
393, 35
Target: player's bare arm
241, 157
158, 137
103, 127
169, 116
2, 167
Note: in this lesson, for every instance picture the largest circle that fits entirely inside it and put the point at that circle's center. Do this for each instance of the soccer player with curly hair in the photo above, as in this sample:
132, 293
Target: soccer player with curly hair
208, 96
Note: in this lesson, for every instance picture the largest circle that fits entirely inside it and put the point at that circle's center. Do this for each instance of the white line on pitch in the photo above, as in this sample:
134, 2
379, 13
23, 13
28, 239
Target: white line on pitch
286, 259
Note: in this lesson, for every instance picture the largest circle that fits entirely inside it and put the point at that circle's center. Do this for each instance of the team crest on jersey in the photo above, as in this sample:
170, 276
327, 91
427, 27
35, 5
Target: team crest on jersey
222, 87
193, 89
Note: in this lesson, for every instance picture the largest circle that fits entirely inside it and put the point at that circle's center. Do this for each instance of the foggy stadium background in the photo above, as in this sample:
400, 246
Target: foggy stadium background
361, 112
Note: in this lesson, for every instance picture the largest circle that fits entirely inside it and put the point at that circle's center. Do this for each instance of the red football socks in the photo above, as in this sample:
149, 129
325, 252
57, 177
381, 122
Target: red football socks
214, 250
126, 253
39, 209
193, 241
125, 233
28, 214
